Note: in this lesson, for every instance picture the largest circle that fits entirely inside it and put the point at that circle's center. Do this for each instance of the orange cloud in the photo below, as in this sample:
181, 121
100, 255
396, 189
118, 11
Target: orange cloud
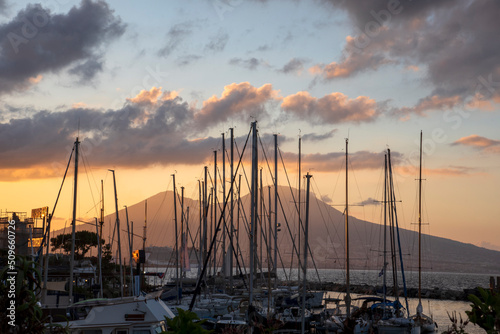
77, 105
482, 143
480, 102
35, 80
153, 95
449, 171
430, 103
332, 108
237, 100
35, 172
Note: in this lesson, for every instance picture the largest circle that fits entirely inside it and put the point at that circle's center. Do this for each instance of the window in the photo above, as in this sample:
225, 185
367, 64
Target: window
141, 331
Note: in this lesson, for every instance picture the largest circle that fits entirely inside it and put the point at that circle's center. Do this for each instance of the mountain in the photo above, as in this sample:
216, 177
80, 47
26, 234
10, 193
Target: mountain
326, 235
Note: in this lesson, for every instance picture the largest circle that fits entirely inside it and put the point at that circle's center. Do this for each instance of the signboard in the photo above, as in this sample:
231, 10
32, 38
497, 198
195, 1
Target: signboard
139, 256
40, 212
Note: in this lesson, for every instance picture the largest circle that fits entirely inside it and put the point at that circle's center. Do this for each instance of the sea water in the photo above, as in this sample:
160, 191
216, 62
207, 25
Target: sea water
438, 309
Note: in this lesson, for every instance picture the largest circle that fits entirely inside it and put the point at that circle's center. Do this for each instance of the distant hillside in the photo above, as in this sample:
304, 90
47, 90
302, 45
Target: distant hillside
326, 236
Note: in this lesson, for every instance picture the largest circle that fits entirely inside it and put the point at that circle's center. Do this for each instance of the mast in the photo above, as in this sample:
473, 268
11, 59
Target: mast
224, 264
385, 232
99, 262
392, 227
205, 214
118, 233
261, 223
253, 209
306, 245
275, 211
176, 245
200, 204
214, 210
144, 232
130, 253
101, 222
419, 307
238, 216
73, 227
348, 284
300, 222
183, 272
231, 210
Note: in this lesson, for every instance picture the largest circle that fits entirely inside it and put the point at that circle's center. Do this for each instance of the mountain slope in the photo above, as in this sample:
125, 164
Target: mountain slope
326, 236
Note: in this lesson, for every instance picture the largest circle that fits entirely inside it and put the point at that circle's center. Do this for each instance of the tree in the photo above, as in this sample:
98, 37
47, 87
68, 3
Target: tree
485, 310
84, 240
186, 322
20, 291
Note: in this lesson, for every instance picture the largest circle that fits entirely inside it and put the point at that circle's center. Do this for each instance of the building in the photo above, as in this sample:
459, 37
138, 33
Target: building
27, 237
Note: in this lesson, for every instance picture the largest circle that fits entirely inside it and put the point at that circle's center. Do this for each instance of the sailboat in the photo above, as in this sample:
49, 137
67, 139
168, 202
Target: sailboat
392, 314
424, 322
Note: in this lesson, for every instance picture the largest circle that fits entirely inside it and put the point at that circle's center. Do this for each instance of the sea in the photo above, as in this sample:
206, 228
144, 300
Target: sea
440, 310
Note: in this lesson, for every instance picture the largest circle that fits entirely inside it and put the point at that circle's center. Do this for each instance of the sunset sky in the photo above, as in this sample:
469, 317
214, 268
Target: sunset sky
149, 87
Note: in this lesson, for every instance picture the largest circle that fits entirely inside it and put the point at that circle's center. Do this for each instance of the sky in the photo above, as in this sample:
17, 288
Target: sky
150, 87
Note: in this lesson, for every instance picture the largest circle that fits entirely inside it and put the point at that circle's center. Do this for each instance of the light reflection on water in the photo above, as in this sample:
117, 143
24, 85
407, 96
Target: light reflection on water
430, 280
436, 308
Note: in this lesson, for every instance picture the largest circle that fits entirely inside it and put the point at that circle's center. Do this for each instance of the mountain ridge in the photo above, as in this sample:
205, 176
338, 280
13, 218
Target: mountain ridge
326, 242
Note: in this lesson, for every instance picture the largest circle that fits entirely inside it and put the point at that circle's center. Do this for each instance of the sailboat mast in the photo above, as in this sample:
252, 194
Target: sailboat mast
299, 230
118, 231
232, 211
101, 222
72, 263
386, 185
419, 307
224, 264
214, 210
200, 204
253, 209
348, 284
129, 234
306, 245
275, 211
176, 244
183, 272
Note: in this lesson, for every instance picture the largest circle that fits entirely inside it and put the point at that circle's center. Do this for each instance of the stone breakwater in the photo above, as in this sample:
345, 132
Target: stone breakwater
365, 289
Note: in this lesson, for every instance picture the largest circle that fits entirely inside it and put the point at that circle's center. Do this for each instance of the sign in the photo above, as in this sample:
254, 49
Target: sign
40, 212
139, 256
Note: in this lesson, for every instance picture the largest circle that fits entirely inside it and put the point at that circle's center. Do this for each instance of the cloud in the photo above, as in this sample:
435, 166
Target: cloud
326, 162
295, 65
87, 70
187, 60
36, 42
151, 128
218, 42
332, 109
430, 103
489, 245
326, 199
480, 143
406, 170
318, 137
351, 62
153, 96
250, 63
450, 40
175, 36
238, 101
368, 201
